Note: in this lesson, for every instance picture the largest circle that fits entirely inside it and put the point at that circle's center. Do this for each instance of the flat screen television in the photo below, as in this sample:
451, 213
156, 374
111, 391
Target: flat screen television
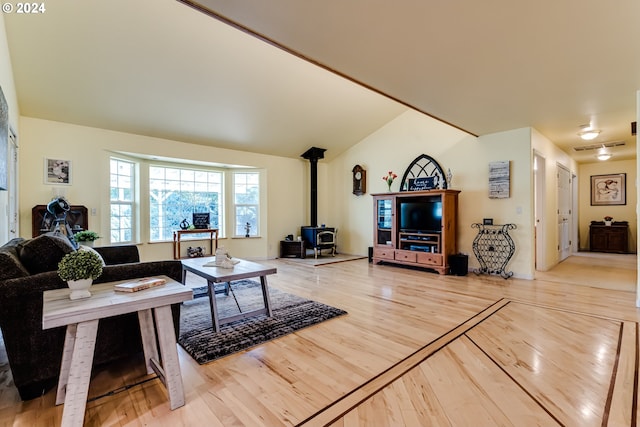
423, 216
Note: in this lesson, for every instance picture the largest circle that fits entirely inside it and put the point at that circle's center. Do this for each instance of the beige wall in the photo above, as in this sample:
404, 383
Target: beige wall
398, 143
588, 213
89, 150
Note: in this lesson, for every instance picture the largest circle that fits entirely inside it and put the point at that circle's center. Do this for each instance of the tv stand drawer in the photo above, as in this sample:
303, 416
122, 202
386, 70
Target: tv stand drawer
429, 258
406, 256
383, 253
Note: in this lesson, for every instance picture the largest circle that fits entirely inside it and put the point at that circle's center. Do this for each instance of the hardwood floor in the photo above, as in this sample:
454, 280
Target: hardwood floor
596, 269
416, 349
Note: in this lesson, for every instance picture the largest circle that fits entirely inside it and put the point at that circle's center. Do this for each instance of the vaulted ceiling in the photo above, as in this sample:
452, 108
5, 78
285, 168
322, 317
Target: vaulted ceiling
161, 68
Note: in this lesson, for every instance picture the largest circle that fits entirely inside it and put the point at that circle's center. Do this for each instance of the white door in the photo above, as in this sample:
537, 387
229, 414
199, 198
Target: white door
538, 202
575, 242
564, 213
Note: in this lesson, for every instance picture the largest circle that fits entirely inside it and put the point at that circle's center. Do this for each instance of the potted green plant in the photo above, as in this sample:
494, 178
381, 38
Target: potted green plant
86, 237
79, 269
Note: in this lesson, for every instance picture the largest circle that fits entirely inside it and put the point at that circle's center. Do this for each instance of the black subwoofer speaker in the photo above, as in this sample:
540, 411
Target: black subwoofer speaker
459, 264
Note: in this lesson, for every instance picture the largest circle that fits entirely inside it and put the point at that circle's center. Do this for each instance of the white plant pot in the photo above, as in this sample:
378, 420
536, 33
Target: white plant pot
79, 288
607, 223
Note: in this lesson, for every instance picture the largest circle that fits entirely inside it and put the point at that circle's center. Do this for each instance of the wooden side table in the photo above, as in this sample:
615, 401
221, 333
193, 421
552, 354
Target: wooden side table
292, 248
81, 318
177, 235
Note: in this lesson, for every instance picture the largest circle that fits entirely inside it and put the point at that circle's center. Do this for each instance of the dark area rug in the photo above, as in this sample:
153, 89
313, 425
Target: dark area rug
290, 313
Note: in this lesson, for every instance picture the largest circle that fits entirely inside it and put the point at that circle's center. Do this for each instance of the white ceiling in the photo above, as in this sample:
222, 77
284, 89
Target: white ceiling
163, 69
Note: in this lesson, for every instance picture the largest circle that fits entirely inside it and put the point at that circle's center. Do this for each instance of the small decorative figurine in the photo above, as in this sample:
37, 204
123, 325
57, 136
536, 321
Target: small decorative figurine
184, 224
247, 228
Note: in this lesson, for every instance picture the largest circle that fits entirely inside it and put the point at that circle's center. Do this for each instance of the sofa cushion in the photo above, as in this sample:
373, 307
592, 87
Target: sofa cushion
10, 266
44, 252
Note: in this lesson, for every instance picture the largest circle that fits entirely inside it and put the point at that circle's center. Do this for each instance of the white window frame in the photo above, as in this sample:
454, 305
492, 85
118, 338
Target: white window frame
121, 202
254, 231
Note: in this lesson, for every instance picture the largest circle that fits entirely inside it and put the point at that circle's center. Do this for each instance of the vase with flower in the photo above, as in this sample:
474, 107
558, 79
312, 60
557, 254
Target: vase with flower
389, 179
608, 220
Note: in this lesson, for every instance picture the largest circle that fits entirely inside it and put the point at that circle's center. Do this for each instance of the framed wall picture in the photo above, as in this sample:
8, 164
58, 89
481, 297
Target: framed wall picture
499, 180
57, 171
609, 189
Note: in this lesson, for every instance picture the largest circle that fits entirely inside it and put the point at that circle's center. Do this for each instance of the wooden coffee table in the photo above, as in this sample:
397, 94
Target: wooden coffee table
81, 318
242, 270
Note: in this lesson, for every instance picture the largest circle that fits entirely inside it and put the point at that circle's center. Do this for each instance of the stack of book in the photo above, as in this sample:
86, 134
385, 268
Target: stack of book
139, 284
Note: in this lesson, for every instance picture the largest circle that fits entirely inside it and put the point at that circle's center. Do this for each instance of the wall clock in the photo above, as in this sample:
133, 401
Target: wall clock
359, 180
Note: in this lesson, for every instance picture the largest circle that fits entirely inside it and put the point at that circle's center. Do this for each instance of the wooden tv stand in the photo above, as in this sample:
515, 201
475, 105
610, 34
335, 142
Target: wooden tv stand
421, 248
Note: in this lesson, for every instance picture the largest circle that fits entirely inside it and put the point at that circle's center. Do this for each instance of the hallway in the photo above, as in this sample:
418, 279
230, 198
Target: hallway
595, 269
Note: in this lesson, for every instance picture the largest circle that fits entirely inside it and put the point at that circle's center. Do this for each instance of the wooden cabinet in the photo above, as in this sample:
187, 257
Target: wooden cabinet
609, 238
42, 222
415, 228
292, 248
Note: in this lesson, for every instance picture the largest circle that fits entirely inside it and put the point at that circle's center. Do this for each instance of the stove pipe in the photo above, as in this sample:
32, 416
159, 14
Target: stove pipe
314, 154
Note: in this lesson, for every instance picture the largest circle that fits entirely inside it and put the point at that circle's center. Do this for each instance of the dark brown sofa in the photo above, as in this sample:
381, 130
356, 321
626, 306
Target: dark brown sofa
27, 269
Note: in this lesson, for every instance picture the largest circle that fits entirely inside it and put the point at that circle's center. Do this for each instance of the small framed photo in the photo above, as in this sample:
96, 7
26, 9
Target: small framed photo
609, 189
57, 171
487, 221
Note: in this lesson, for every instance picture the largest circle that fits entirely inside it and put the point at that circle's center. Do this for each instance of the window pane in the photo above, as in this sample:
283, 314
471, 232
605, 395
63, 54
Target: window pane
246, 196
122, 176
246, 215
175, 194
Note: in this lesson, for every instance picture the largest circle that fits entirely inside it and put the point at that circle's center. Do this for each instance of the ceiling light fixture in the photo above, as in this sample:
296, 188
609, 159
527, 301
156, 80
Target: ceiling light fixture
588, 133
603, 154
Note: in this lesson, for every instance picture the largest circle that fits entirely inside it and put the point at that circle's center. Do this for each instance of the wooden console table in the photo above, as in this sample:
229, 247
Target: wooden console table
81, 318
177, 235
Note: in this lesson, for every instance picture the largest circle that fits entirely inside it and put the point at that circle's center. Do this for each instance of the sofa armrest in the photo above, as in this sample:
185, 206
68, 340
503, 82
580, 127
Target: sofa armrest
121, 254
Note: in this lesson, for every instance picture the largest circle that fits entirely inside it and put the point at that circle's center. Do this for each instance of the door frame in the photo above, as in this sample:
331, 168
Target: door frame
569, 215
539, 183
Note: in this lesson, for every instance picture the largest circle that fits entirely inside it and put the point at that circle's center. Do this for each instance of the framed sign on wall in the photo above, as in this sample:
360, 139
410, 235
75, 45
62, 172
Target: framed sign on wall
499, 175
201, 220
